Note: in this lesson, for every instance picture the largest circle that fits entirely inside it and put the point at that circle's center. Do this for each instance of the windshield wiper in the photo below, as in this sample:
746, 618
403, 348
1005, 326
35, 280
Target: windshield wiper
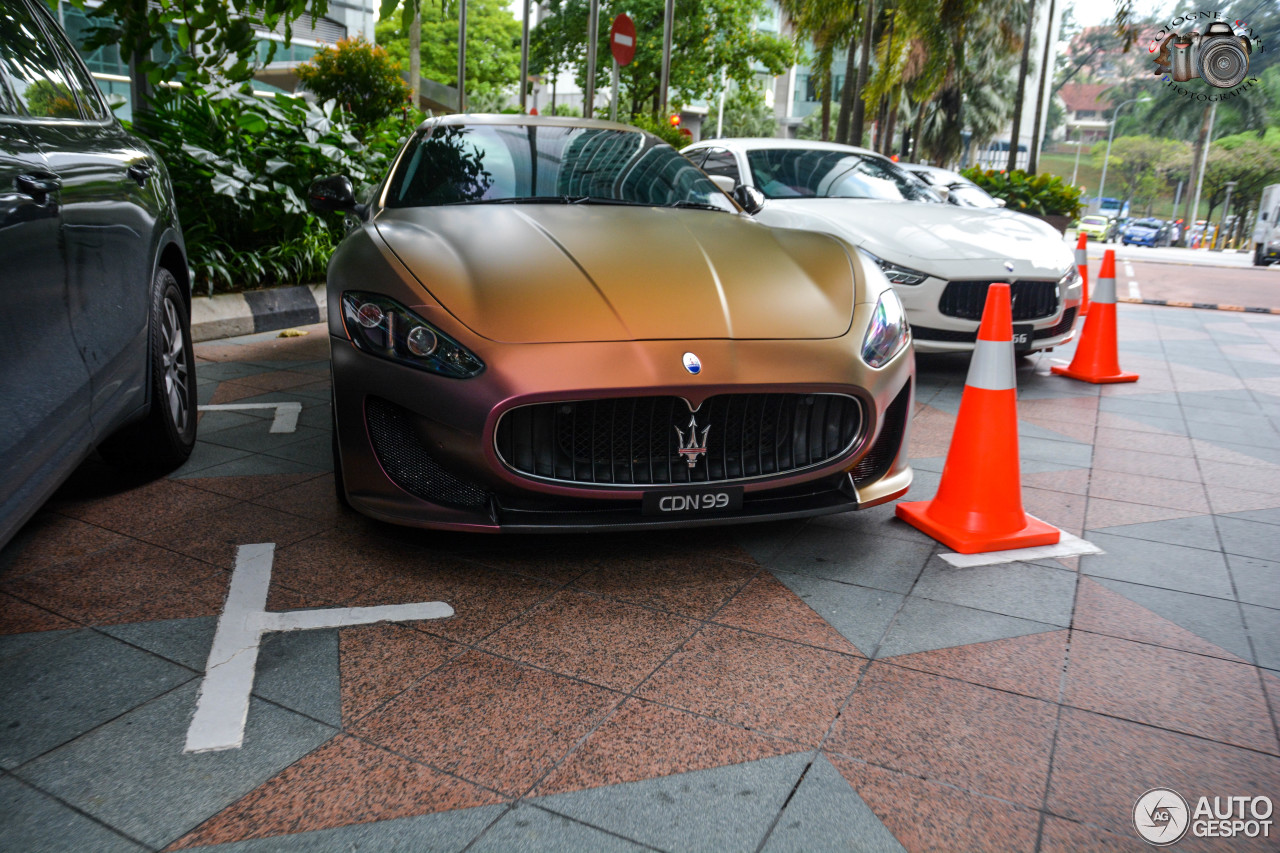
697, 205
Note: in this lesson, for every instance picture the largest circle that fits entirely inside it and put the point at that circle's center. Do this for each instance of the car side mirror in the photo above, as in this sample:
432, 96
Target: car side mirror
748, 198
1000, 202
332, 194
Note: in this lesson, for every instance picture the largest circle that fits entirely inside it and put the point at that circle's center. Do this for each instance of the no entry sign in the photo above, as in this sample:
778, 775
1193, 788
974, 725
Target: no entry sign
622, 39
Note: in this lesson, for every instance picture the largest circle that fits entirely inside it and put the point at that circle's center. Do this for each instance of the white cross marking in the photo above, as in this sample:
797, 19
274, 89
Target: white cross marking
286, 419
223, 704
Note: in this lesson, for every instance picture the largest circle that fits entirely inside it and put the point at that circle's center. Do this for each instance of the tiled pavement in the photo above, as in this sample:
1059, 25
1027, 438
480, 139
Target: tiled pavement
806, 686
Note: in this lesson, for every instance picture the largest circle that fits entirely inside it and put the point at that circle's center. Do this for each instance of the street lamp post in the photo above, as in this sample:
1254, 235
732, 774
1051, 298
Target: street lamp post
1102, 183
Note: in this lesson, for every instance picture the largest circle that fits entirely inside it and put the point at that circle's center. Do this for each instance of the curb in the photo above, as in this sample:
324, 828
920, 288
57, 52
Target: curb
1210, 306
231, 314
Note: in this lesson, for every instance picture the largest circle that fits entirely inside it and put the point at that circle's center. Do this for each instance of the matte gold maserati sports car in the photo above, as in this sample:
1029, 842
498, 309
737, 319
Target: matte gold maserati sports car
558, 324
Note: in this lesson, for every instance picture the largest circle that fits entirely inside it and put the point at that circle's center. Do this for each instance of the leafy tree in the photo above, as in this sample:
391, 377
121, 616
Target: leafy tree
49, 99
1142, 164
493, 38
361, 77
745, 114
1250, 161
196, 41
708, 36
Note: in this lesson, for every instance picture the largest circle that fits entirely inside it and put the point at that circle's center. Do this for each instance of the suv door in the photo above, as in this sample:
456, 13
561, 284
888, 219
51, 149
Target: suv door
110, 208
44, 422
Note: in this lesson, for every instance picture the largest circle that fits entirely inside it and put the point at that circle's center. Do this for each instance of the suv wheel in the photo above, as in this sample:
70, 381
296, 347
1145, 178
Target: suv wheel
163, 439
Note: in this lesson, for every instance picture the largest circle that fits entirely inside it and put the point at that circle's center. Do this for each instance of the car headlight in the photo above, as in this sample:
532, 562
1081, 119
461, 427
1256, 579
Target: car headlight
888, 331
1070, 279
383, 327
895, 273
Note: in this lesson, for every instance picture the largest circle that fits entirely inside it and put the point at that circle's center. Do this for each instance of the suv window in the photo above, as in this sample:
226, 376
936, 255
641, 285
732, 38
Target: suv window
86, 90
37, 79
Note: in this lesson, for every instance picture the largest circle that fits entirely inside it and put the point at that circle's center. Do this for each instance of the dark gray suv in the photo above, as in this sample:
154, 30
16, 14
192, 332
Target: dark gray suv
95, 340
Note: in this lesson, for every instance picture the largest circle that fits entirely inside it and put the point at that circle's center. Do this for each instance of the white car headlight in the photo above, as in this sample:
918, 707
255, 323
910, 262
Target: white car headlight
888, 331
896, 273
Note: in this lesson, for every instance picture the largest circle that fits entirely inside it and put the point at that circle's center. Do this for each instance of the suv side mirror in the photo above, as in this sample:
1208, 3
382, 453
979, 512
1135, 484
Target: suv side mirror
748, 198
332, 194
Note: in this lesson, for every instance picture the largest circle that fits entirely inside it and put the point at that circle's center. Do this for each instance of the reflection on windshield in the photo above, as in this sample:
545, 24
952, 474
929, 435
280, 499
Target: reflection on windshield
815, 173
513, 164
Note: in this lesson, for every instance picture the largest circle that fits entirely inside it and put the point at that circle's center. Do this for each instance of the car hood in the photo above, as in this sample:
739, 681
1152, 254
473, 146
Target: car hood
561, 273
910, 232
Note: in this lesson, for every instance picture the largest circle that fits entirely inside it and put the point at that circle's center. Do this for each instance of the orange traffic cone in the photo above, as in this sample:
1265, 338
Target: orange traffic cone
1082, 264
979, 502
1096, 359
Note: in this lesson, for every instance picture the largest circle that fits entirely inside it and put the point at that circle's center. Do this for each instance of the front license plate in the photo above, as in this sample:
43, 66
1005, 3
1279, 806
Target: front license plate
1022, 337
673, 503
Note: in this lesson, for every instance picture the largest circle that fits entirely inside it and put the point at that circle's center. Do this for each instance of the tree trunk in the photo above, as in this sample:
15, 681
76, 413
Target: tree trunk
846, 91
919, 131
1033, 154
864, 63
1016, 130
891, 122
140, 92
826, 116
415, 56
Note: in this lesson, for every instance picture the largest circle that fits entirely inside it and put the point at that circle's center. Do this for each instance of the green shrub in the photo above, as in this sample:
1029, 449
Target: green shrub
241, 166
361, 77
1042, 195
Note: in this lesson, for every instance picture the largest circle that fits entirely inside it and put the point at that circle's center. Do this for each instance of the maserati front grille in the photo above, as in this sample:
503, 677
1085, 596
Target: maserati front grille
643, 441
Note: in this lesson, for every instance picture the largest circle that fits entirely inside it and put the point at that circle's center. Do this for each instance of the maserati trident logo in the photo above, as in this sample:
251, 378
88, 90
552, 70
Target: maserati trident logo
695, 447
692, 363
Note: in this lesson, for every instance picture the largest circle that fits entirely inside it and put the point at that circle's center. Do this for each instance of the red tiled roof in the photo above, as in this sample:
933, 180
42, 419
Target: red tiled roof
1085, 96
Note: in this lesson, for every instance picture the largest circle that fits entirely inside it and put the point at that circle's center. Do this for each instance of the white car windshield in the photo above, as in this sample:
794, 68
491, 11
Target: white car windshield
819, 173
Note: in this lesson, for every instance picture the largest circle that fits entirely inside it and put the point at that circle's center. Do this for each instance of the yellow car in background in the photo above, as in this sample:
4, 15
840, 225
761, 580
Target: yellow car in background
1097, 227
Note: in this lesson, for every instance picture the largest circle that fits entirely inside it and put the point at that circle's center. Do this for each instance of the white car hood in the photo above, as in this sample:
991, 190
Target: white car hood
922, 235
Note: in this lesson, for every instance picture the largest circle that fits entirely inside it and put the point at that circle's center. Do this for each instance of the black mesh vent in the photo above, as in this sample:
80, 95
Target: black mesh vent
925, 333
409, 465
878, 459
1032, 300
634, 440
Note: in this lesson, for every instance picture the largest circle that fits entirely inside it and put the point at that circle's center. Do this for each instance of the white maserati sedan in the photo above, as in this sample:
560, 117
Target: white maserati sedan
940, 257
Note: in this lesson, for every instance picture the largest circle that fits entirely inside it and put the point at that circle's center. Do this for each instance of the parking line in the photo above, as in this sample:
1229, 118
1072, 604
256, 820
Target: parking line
222, 708
286, 419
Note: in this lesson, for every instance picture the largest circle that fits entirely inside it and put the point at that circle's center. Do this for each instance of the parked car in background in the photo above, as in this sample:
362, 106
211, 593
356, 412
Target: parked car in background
1147, 232
560, 324
940, 257
95, 347
953, 186
1266, 230
1098, 228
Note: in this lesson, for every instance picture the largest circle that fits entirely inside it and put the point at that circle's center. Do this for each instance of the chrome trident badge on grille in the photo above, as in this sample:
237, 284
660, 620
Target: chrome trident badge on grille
695, 447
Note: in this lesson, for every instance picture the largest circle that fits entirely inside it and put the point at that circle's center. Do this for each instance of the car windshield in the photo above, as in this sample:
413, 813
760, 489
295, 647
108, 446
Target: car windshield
546, 164
1094, 220
818, 173
1148, 223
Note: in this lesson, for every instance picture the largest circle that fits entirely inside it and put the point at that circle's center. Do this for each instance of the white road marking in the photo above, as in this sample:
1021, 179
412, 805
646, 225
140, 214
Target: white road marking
222, 707
286, 419
1134, 292
1068, 546
1128, 269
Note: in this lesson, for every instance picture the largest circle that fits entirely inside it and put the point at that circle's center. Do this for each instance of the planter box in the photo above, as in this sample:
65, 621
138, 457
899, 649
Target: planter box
1057, 220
